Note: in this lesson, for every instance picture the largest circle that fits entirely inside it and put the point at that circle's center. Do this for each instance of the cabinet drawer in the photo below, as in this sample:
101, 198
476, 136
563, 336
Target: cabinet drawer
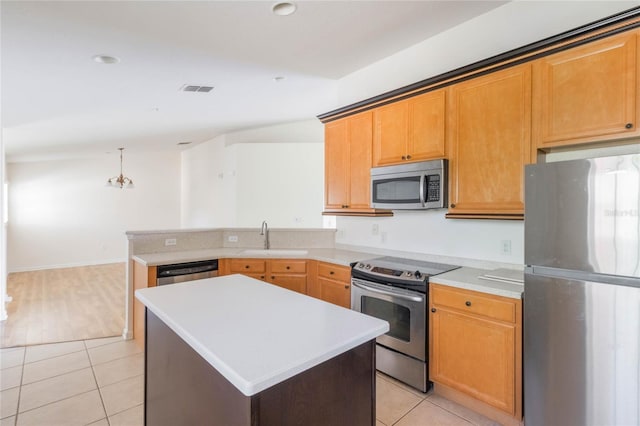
247, 265
334, 272
494, 307
291, 282
285, 266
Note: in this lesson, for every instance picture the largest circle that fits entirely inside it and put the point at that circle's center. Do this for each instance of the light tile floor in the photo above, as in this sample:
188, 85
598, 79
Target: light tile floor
400, 405
100, 382
87, 382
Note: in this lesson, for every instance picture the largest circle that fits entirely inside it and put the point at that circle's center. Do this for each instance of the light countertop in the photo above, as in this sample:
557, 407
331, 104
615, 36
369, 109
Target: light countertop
331, 255
468, 278
256, 334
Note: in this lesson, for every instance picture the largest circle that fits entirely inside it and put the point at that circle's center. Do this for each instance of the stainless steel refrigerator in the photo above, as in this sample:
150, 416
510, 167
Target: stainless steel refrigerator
582, 292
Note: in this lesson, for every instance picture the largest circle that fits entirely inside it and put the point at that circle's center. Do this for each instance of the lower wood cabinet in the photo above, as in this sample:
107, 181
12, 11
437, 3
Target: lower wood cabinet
143, 277
331, 283
476, 346
287, 273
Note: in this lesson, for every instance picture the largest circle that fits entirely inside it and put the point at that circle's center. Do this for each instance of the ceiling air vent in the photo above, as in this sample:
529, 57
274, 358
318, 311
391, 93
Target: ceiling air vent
194, 88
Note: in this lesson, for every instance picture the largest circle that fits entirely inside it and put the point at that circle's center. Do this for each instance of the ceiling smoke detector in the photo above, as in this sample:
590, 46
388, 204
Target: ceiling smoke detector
284, 8
195, 88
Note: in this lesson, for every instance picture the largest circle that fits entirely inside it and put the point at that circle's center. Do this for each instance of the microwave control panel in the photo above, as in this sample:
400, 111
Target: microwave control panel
433, 188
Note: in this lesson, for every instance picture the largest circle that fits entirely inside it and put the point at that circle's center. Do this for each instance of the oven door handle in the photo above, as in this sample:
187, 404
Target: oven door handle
388, 293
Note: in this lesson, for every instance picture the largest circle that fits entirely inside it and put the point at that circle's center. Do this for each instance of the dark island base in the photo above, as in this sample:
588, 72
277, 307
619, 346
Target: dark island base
182, 388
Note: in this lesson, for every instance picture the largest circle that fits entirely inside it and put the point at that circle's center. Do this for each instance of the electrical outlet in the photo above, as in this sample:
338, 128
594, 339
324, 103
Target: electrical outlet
375, 229
341, 233
232, 238
383, 237
297, 220
506, 247
170, 242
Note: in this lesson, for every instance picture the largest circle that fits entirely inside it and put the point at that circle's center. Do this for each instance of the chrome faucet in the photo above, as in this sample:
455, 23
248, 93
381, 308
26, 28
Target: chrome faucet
265, 231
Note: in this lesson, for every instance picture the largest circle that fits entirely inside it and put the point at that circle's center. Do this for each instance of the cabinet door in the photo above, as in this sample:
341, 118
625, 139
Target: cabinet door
427, 126
587, 93
360, 134
336, 292
490, 131
291, 282
474, 356
390, 134
336, 163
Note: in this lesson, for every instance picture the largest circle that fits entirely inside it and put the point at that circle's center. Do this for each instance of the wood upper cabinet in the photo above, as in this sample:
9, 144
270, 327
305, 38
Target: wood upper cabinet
410, 130
348, 166
489, 136
476, 346
587, 93
336, 163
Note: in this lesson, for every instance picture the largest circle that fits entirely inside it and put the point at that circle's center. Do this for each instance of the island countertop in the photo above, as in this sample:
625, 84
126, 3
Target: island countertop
256, 334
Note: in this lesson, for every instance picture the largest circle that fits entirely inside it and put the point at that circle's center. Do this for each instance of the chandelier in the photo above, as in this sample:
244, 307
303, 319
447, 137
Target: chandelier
120, 181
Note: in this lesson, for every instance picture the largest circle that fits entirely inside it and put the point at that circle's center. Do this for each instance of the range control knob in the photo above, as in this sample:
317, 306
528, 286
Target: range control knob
417, 274
360, 265
409, 273
368, 266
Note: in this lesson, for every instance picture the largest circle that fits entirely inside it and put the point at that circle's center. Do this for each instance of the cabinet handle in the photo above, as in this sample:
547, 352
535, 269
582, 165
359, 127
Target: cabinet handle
331, 272
404, 158
246, 266
408, 157
629, 126
346, 287
433, 309
262, 277
288, 267
272, 277
453, 206
468, 303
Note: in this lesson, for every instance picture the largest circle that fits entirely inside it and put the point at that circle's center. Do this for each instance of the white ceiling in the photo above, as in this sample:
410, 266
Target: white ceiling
56, 100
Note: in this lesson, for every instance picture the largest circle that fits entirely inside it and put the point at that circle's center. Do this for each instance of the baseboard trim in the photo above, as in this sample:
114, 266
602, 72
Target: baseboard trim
68, 265
477, 406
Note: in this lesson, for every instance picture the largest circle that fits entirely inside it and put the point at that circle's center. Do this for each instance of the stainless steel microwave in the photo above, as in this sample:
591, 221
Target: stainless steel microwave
412, 186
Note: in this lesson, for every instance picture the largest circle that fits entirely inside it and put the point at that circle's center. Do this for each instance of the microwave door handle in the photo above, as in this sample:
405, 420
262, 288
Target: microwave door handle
422, 182
388, 293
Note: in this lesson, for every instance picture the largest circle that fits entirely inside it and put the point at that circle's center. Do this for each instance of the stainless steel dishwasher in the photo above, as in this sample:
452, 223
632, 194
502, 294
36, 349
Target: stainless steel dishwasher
181, 272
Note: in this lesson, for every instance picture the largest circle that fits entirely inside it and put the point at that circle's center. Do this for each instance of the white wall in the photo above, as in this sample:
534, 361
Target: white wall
62, 214
208, 185
428, 232
513, 25
507, 27
273, 173
282, 183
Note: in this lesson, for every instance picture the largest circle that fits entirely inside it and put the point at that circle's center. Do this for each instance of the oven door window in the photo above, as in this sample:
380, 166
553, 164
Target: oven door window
401, 190
398, 316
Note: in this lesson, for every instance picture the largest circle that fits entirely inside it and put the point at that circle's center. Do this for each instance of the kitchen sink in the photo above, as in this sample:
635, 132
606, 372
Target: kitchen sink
273, 252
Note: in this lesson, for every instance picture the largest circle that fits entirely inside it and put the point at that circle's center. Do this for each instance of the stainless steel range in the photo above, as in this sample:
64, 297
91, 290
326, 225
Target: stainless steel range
397, 290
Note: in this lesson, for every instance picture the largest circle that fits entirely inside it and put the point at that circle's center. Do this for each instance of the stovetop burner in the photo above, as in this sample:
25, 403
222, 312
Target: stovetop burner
398, 272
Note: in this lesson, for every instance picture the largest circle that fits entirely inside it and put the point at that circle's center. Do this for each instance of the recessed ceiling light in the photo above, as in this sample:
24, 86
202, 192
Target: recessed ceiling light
284, 8
278, 79
106, 59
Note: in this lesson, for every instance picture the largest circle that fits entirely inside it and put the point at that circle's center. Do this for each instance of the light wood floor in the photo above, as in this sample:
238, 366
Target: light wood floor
58, 305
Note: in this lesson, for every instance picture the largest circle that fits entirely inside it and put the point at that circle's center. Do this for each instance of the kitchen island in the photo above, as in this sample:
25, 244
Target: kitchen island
237, 351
